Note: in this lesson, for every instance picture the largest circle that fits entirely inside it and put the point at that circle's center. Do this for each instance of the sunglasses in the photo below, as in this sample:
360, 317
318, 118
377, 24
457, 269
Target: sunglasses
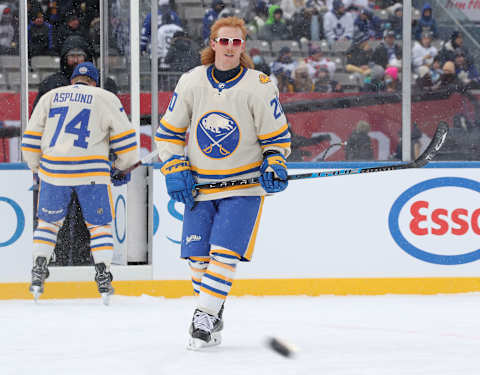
236, 42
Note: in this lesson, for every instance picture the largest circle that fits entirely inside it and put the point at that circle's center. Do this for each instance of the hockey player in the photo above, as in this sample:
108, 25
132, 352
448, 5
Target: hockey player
67, 143
237, 129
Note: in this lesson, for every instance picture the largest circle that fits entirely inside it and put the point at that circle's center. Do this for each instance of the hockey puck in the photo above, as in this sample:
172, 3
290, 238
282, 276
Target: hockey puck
280, 347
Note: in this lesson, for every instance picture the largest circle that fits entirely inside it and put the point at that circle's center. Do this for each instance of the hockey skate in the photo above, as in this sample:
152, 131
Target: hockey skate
104, 282
39, 274
205, 330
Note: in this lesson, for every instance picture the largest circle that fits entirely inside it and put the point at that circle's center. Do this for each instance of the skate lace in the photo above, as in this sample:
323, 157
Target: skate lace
203, 321
103, 279
39, 273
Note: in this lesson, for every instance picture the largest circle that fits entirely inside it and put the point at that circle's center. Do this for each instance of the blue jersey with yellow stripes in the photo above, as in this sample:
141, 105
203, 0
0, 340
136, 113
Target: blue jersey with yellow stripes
70, 133
229, 124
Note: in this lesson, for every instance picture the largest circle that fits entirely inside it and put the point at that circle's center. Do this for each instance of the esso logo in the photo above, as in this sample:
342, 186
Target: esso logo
438, 220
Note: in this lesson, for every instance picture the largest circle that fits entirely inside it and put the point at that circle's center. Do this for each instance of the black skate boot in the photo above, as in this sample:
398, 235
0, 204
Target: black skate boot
104, 282
39, 274
204, 330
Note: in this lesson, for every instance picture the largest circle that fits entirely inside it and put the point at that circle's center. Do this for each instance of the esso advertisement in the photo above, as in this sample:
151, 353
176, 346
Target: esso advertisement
438, 221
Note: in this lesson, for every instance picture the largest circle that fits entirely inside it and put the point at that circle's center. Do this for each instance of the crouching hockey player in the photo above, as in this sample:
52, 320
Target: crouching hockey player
67, 142
237, 129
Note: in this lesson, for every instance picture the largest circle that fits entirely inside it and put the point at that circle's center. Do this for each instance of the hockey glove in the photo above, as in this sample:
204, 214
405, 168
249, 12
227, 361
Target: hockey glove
118, 178
179, 179
274, 172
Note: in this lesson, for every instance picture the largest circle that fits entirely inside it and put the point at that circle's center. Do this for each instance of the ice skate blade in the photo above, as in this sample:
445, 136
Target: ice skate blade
105, 298
197, 344
36, 291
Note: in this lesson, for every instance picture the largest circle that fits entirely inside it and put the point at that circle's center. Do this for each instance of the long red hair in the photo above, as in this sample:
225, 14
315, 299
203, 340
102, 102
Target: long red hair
208, 54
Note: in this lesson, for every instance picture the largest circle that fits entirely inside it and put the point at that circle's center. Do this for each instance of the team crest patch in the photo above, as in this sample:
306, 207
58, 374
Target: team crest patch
217, 134
264, 78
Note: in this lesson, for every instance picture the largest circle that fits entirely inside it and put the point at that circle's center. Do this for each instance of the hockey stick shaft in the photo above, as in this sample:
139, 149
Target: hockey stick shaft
144, 160
429, 153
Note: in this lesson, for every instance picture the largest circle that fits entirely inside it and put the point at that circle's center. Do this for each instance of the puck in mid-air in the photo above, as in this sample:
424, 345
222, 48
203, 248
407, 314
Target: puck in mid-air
281, 347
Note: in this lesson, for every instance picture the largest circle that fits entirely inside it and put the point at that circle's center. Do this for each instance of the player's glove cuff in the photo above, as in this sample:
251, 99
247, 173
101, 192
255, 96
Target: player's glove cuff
175, 164
274, 175
118, 178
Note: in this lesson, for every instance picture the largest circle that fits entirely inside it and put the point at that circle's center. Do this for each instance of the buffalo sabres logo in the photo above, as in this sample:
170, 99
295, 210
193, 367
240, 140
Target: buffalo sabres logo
217, 135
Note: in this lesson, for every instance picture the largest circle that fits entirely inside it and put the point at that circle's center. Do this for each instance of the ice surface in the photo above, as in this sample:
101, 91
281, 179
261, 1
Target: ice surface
431, 335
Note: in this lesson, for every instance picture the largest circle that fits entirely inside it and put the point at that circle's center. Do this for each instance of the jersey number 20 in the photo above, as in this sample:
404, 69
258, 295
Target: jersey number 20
77, 126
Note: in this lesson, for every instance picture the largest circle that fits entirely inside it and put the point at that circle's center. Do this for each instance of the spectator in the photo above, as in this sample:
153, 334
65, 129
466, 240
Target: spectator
426, 23
165, 35
466, 73
366, 22
395, 21
316, 60
302, 82
290, 7
75, 50
260, 16
359, 144
424, 81
375, 80
210, 17
423, 52
183, 53
163, 7
71, 27
7, 31
282, 70
40, 36
324, 83
416, 135
392, 83
447, 53
307, 22
359, 56
448, 79
338, 23
259, 61
436, 70
388, 53
275, 27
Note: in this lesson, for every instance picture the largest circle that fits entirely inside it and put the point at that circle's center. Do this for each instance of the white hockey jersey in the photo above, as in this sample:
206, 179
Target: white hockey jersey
230, 125
70, 132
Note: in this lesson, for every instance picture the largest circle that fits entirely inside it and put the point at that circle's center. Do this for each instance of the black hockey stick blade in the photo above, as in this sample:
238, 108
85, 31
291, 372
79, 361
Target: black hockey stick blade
434, 146
432, 149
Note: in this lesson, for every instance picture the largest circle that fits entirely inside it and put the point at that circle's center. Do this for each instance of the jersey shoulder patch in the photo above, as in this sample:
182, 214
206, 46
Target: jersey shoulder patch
263, 78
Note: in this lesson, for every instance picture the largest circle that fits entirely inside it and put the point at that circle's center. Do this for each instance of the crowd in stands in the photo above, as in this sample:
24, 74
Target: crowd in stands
335, 45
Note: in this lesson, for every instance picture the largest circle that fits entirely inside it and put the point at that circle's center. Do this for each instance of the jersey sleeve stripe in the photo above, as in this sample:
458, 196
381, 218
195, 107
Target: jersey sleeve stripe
176, 141
116, 140
121, 135
31, 136
173, 128
279, 144
122, 148
275, 133
32, 133
134, 147
170, 131
30, 148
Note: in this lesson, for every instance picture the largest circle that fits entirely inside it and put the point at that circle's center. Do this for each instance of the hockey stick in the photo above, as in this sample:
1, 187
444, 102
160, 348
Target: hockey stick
429, 153
143, 160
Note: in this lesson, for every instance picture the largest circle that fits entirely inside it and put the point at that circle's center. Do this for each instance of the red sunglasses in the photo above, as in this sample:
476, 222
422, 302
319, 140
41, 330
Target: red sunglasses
236, 42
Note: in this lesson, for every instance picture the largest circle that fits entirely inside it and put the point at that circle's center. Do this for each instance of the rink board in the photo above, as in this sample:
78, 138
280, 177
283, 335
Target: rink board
405, 232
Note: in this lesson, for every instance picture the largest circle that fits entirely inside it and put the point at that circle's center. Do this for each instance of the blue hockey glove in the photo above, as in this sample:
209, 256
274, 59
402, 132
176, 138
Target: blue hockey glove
118, 178
179, 179
274, 172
